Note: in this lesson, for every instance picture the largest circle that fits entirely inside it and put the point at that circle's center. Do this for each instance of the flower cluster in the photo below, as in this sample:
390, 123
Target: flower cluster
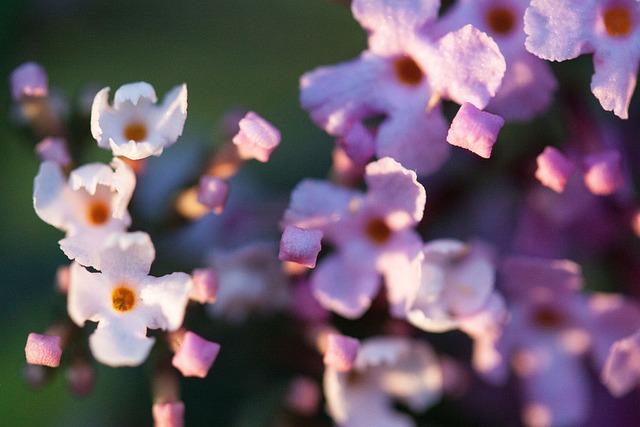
415, 277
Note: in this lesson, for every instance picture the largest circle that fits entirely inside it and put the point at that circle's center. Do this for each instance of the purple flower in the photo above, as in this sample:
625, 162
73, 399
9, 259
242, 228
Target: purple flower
558, 30
400, 78
372, 233
528, 84
553, 327
29, 80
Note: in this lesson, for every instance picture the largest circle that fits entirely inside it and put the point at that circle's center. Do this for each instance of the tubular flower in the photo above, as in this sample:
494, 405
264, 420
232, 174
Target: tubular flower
558, 30
400, 78
135, 127
372, 234
125, 300
89, 205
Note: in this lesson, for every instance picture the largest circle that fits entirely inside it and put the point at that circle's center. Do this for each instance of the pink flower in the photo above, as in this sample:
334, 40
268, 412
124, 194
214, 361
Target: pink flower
372, 234
528, 84
558, 30
398, 81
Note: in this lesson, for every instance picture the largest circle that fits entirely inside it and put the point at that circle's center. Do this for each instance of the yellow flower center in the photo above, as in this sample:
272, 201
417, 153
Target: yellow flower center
378, 231
135, 132
98, 212
617, 21
501, 20
407, 71
123, 299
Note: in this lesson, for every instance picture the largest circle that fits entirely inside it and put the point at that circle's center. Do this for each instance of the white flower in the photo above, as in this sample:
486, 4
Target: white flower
135, 127
386, 369
125, 300
89, 205
456, 289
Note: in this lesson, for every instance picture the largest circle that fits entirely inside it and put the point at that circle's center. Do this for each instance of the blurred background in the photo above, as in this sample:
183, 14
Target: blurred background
247, 53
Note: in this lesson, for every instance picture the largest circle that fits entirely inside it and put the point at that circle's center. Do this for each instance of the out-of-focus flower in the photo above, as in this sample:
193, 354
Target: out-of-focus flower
125, 300
387, 369
341, 352
528, 84
372, 233
55, 150
562, 30
29, 80
250, 280
554, 169
89, 205
213, 193
205, 285
400, 78
553, 327
456, 289
135, 127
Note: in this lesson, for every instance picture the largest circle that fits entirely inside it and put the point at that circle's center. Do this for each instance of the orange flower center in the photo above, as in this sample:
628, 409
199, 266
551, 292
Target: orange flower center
547, 318
407, 71
135, 132
501, 20
123, 299
617, 21
378, 231
98, 212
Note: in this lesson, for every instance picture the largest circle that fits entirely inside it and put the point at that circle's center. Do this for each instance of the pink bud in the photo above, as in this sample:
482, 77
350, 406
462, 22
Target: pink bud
29, 80
195, 356
205, 285
341, 352
474, 130
554, 169
43, 350
257, 138
300, 245
213, 193
54, 150
603, 172
169, 414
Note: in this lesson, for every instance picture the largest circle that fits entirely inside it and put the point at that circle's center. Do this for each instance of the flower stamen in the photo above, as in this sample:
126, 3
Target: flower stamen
123, 299
98, 212
407, 71
617, 22
378, 231
135, 132
501, 20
